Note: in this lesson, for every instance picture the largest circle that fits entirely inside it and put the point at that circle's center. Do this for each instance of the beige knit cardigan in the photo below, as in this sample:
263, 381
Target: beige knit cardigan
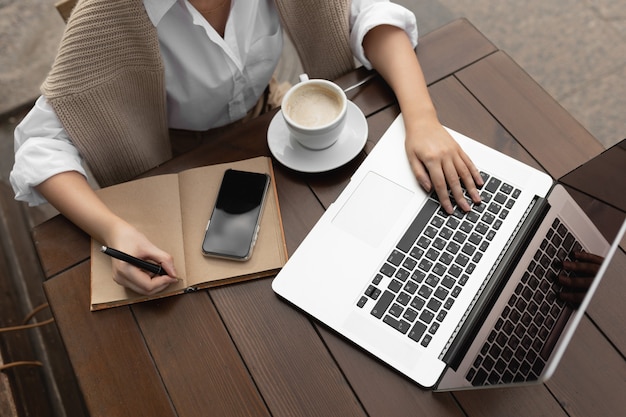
107, 82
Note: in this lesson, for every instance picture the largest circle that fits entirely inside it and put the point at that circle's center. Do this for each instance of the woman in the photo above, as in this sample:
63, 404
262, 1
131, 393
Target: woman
214, 60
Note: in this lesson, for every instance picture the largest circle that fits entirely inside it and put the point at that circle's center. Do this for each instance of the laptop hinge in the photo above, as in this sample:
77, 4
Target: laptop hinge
486, 297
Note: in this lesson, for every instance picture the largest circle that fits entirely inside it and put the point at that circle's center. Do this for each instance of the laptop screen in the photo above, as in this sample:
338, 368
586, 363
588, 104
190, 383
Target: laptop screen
525, 335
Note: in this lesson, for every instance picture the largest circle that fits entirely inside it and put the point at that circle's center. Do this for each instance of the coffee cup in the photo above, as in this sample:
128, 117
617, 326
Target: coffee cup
315, 112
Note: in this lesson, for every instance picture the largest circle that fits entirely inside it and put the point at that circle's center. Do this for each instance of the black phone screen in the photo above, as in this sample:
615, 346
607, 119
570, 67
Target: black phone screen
231, 232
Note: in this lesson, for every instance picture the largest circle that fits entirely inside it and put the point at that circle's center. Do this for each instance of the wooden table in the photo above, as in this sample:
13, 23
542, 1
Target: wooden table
239, 350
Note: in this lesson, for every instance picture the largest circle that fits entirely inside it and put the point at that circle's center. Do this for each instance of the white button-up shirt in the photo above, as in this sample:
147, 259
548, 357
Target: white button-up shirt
210, 81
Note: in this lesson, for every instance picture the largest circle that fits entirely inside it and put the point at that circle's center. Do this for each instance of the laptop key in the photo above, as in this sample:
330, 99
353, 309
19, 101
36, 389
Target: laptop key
418, 276
441, 293
410, 315
410, 236
479, 378
506, 188
417, 303
409, 263
372, 292
395, 258
446, 258
400, 325
439, 243
555, 333
383, 303
494, 208
387, 270
425, 291
427, 316
434, 304
395, 285
417, 331
472, 216
448, 282
396, 310
410, 287
492, 185
403, 298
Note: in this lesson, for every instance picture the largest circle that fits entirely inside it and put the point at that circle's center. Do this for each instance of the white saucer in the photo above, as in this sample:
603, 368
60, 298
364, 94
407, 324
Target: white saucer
295, 156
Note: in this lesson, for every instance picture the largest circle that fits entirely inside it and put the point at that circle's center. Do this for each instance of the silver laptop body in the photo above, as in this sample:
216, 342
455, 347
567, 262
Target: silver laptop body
345, 269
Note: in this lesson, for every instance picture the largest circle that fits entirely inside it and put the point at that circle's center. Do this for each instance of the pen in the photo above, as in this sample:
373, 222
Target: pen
139, 263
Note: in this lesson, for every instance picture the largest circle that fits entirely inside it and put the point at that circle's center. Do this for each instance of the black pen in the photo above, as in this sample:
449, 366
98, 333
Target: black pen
139, 263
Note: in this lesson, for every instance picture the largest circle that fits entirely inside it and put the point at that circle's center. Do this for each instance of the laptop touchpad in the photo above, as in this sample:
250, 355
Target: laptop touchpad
373, 208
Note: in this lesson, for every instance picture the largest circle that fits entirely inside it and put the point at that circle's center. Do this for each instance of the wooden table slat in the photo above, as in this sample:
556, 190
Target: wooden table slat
447, 50
590, 378
370, 377
601, 170
109, 348
607, 306
295, 200
211, 361
55, 257
534, 118
284, 353
534, 400
459, 110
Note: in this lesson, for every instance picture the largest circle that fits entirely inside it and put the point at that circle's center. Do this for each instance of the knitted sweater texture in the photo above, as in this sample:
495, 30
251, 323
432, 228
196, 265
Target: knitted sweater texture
107, 82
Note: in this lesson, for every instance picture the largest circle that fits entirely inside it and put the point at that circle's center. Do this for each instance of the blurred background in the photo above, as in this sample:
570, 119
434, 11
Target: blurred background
575, 49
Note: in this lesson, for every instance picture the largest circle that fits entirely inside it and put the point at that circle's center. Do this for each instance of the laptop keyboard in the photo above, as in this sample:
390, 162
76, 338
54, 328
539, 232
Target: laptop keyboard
426, 271
524, 336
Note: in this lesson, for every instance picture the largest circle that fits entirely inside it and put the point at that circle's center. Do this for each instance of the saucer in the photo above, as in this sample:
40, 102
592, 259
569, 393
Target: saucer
291, 154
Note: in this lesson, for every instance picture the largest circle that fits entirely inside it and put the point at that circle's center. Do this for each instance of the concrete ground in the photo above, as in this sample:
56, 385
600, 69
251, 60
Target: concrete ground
575, 49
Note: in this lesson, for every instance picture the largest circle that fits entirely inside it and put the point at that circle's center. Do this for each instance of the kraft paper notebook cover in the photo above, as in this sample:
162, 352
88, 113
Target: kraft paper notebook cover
172, 211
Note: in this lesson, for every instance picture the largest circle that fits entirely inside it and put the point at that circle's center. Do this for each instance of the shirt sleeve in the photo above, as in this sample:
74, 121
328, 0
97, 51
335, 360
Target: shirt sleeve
42, 150
367, 14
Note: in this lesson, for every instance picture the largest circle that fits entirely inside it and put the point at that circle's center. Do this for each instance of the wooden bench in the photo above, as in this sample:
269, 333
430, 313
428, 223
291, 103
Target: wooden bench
50, 390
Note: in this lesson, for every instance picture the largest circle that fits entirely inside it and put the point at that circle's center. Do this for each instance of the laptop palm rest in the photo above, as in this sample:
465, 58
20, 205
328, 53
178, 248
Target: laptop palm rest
372, 209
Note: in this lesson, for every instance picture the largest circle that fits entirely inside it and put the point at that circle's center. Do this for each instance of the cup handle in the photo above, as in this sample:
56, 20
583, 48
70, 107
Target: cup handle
304, 77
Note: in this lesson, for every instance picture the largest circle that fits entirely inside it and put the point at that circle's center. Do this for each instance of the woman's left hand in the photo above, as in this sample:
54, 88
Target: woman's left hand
438, 162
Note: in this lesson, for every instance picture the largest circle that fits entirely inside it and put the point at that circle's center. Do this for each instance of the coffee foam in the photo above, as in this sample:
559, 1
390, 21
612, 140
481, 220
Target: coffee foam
313, 105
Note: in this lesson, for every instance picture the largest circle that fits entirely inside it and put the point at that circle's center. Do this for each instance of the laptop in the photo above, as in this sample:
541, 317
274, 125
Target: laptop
458, 301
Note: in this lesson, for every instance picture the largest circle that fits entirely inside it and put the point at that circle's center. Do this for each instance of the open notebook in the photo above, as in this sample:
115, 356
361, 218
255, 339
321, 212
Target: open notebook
451, 301
172, 211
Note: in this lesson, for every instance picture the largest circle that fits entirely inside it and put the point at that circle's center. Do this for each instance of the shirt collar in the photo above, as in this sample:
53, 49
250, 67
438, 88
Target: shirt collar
156, 9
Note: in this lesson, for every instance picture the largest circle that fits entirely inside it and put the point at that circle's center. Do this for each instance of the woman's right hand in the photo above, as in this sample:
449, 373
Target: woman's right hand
129, 240
70, 193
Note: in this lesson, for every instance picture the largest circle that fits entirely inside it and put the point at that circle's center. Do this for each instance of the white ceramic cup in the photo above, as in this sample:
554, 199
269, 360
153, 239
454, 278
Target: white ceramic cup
315, 112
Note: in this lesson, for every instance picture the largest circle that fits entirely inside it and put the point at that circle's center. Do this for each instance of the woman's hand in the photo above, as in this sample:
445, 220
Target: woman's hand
128, 239
439, 162
70, 193
435, 157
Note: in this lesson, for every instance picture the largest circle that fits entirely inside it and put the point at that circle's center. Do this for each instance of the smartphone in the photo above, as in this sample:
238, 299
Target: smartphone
234, 222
